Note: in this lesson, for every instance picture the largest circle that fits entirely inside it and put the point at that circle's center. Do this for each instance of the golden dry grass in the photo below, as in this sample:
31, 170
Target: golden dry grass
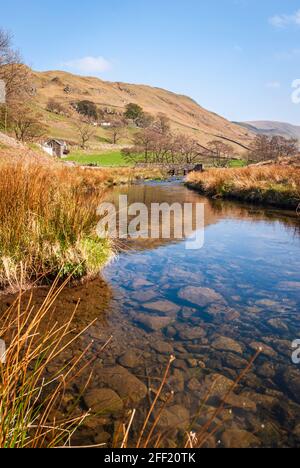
29, 395
48, 214
48, 221
273, 185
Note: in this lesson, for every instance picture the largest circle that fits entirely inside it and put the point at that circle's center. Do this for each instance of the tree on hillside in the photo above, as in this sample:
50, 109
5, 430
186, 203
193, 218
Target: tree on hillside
283, 147
162, 124
133, 112
86, 131
26, 123
16, 76
153, 147
264, 148
219, 152
185, 150
142, 149
116, 130
55, 107
88, 109
146, 120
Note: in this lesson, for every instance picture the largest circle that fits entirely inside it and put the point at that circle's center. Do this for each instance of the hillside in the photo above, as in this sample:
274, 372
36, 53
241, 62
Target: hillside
10, 149
272, 128
185, 114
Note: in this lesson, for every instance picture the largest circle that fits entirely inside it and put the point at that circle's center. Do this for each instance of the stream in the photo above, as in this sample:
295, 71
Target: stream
212, 309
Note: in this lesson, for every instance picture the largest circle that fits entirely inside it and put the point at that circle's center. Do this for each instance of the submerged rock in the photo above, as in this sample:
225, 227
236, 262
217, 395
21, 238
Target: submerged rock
162, 347
218, 309
289, 285
144, 296
265, 350
223, 343
192, 333
176, 417
241, 402
235, 438
234, 362
131, 358
166, 307
201, 297
125, 384
103, 401
291, 379
153, 322
267, 370
141, 283
176, 381
217, 385
278, 325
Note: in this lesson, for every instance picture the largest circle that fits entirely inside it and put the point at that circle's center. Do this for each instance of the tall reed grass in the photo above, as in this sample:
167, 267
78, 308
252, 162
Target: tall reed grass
29, 396
273, 185
48, 219
151, 436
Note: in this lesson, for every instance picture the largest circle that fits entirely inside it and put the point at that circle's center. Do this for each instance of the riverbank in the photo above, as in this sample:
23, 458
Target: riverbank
48, 220
276, 185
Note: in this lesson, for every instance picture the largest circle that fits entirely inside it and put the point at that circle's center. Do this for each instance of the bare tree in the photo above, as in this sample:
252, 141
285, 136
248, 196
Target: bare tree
26, 123
146, 120
153, 147
264, 148
5, 46
185, 150
55, 107
85, 131
220, 153
116, 131
283, 147
16, 76
162, 124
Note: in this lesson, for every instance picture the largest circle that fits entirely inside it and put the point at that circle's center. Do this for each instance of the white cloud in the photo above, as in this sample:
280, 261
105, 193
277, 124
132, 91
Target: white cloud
273, 85
87, 65
282, 21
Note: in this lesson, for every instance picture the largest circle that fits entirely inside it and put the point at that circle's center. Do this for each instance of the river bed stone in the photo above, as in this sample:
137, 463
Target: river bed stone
103, 401
224, 343
165, 307
153, 322
201, 297
125, 384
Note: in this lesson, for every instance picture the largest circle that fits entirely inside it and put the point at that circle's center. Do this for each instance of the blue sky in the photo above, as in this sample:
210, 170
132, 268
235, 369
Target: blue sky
235, 57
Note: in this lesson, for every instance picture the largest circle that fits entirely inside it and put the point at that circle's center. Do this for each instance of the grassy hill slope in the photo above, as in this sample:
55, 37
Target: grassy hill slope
185, 114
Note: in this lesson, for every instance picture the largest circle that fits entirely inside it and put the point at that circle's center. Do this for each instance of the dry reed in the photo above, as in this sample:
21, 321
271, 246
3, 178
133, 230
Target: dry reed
273, 185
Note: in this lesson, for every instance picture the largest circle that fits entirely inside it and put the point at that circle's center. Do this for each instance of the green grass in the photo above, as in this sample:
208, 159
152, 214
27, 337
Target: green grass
112, 158
237, 163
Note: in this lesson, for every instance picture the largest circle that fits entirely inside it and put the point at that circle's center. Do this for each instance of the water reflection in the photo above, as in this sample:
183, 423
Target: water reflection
215, 211
213, 308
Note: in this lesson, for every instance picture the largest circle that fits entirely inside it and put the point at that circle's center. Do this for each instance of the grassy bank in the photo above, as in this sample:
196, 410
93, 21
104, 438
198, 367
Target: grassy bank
271, 185
48, 220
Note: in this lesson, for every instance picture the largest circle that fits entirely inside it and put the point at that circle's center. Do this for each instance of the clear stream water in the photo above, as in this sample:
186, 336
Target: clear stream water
210, 308
250, 267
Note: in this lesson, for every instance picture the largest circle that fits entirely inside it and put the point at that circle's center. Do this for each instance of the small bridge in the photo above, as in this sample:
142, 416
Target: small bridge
173, 169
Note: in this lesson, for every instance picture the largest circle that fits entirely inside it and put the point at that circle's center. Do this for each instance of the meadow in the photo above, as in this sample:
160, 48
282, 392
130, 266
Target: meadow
105, 159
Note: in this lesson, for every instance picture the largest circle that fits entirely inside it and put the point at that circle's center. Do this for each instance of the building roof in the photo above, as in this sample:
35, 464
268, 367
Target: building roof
59, 142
